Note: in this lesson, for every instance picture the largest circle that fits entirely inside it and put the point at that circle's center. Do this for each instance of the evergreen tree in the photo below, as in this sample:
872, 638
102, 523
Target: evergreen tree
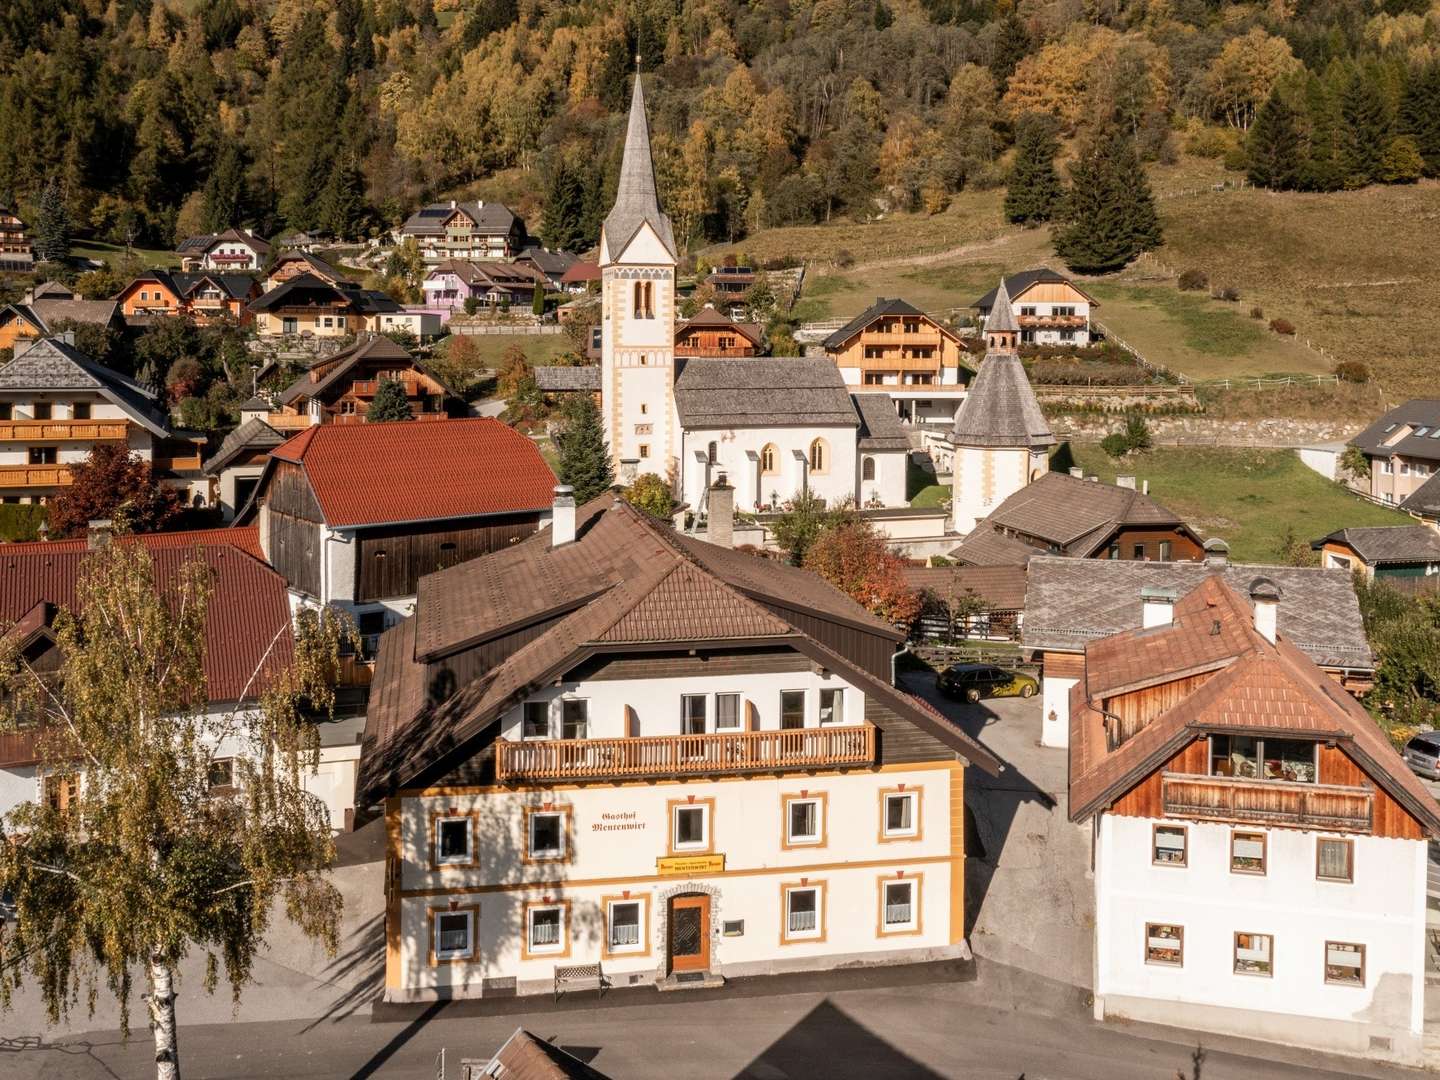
1034, 190
223, 205
1420, 115
537, 301
1364, 130
389, 403
584, 456
52, 225
1321, 169
1108, 216
564, 210
1273, 153
342, 210
1012, 44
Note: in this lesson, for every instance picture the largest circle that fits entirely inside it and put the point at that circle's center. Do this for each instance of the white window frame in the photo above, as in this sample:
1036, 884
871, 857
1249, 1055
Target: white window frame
558, 945
685, 702
913, 885
638, 945
739, 724
837, 697
453, 860
804, 710
819, 928
468, 952
536, 815
818, 836
703, 844
914, 829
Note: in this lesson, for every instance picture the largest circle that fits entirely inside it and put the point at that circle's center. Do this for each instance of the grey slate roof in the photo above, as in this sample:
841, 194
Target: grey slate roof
367, 301
880, 427
251, 435
882, 306
988, 546
561, 378
1002, 315
343, 363
53, 364
1382, 544
1421, 414
1425, 500
55, 310
1069, 602
762, 391
1016, 284
491, 218
637, 199
1000, 409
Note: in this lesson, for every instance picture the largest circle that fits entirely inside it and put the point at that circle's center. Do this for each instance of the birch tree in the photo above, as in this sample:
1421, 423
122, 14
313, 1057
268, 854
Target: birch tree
150, 854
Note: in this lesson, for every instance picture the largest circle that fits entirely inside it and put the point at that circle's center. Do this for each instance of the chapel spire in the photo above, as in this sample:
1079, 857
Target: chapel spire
1001, 329
637, 199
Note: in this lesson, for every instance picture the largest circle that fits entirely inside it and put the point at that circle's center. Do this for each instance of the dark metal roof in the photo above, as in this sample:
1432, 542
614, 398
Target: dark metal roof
1425, 500
1381, 544
880, 308
1409, 430
252, 435
1016, 284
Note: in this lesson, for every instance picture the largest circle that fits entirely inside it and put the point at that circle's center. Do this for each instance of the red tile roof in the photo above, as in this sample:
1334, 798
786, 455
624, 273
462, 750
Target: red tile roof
248, 606
246, 538
376, 474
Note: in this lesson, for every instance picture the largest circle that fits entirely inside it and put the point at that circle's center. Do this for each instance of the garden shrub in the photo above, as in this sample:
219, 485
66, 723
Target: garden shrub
1257, 312
1283, 326
844, 259
1114, 444
1192, 280
1225, 292
1352, 371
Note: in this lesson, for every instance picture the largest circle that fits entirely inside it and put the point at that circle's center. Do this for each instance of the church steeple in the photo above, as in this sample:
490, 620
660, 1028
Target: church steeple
1001, 329
637, 199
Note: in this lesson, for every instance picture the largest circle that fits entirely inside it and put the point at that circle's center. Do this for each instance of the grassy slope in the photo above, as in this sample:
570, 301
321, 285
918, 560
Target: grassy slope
1246, 497
540, 349
96, 249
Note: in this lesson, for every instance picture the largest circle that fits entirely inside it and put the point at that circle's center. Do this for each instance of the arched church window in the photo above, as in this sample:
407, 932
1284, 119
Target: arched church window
867, 469
819, 456
639, 299
713, 452
768, 457
649, 299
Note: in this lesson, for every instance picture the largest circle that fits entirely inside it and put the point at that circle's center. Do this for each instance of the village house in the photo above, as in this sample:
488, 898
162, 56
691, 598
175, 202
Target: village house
247, 629
616, 750
339, 388
17, 252
1424, 502
56, 404
581, 278
916, 359
1259, 847
730, 284
45, 307
449, 284
309, 306
1001, 440
548, 266
465, 230
1066, 514
235, 468
1403, 448
709, 333
353, 515
1070, 602
231, 251
1402, 555
293, 264
203, 297
1052, 309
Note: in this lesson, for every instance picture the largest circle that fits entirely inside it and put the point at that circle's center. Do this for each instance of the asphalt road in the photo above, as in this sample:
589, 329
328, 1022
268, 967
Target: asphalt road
941, 1030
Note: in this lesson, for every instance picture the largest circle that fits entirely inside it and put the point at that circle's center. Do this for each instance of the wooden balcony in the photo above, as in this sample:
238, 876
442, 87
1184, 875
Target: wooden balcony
1052, 322
288, 421
369, 387
61, 430
796, 749
930, 338
1267, 802
34, 476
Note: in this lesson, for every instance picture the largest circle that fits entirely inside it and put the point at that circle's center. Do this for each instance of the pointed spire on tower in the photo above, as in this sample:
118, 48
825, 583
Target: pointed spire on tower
1002, 315
637, 198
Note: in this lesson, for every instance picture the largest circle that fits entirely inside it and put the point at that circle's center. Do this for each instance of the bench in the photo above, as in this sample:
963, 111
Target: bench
579, 977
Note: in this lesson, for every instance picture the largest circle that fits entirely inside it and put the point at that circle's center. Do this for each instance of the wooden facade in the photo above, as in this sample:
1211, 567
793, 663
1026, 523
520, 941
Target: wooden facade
914, 347
394, 559
293, 526
713, 341
1145, 545
1134, 710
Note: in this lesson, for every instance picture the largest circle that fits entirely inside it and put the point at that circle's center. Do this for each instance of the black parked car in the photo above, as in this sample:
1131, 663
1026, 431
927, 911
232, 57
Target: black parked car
976, 681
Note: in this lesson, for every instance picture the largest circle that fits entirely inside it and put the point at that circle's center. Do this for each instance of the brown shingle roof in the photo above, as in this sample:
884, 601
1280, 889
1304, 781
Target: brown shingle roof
1256, 686
1002, 588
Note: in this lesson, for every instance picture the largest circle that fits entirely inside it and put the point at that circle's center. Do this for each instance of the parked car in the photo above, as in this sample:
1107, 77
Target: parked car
976, 681
1422, 754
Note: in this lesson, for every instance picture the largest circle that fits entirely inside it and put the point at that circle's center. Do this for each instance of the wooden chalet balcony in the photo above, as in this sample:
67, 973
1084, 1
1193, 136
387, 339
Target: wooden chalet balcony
369, 387
679, 755
34, 476
715, 350
1052, 322
1267, 802
288, 421
929, 338
61, 430
896, 362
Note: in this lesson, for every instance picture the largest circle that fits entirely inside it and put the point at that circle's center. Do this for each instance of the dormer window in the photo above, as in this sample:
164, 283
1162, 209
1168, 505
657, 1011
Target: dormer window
1249, 758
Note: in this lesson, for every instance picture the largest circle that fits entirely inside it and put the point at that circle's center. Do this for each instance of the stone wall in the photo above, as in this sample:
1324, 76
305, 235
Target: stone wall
1209, 431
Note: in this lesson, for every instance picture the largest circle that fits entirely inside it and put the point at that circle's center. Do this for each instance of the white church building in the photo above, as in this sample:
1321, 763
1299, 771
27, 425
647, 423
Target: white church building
773, 426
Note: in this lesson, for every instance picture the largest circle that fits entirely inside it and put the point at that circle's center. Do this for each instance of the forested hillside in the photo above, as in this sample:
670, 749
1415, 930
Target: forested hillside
154, 120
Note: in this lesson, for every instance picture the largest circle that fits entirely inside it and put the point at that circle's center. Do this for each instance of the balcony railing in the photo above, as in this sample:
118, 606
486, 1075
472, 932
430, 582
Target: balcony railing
60, 430
35, 476
669, 755
1267, 802
929, 338
288, 421
1049, 322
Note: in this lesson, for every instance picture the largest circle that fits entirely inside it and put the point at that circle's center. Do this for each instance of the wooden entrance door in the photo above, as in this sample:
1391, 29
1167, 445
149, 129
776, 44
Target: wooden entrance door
690, 933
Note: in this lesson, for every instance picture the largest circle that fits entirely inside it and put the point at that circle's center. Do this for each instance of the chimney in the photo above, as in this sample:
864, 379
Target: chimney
1077, 472
562, 516
1157, 606
98, 533
1144, 487
1265, 595
1217, 554
721, 528
1125, 482
452, 204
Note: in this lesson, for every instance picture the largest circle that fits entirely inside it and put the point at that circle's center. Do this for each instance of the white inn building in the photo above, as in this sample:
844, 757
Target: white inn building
1260, 849
614, 751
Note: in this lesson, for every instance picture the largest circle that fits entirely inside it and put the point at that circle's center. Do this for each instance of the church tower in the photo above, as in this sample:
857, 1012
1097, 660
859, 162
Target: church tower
637, 352
1001, 438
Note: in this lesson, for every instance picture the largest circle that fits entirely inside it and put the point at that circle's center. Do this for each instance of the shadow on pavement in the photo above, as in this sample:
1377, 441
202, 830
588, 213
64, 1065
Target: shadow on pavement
829, 1043
403, 1036
360, 968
